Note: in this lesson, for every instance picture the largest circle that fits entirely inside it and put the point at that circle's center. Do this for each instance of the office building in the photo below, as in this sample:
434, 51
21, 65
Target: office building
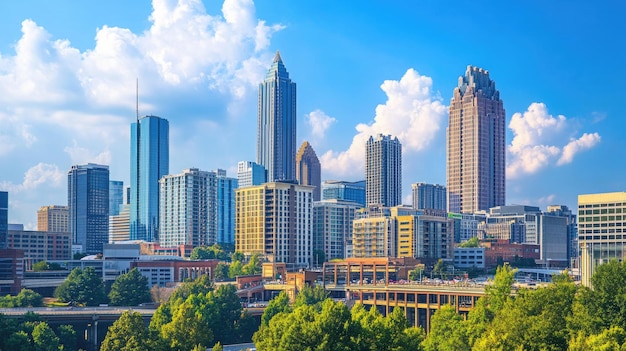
225, 207
88, 202
332, 227
41, 245
601, 231
276, 132
149, 161
572, 230
344, 191
187, 208
275, 221
53, 218
250, 174
116, 196
119, 225
4, 218
475, 144
308, 169
429, 196
383, 171
11, 270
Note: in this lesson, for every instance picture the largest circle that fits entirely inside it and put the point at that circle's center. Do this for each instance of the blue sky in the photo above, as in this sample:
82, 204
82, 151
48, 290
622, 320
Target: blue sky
68, 70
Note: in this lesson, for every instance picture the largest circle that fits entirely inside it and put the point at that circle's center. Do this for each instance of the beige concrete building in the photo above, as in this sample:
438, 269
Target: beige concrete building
53, 218
601, 231
308, 169
275, 220
475, 144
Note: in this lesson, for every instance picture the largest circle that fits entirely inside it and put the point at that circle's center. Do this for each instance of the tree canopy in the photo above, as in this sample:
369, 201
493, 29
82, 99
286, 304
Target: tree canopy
471, 242
130, 289
82, 286
25, 298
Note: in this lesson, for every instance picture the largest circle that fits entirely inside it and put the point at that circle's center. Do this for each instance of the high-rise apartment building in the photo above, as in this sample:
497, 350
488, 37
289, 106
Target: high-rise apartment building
187, 208
225, 207
332, 227
88, 202
250, 173
475, 144
429, 196
53, 218
308, 169
116, 196
383, 171
149, 161
345, 191
119, 225
274, 220
4, 218
276, 132
601, 231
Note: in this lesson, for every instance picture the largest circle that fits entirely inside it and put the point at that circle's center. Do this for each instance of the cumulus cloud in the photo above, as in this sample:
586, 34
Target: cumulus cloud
319, 123
41, 173
81, 155
537, 136
412, 112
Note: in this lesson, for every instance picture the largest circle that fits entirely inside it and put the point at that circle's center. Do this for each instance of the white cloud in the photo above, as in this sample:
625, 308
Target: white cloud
536, 139
319, 123
41, 173
81, 155
412, 112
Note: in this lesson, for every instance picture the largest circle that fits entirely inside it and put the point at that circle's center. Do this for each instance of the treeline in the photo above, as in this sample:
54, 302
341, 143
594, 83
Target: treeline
195, 317
30, 333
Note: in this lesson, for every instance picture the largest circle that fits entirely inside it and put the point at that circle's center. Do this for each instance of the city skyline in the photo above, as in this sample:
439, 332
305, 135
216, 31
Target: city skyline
68, 97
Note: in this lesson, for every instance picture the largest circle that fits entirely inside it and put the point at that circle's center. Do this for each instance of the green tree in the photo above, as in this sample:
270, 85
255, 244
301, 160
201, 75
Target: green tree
202, 253
19, 341
447, 331
471, 242
218, 347
235, 269
189, 327
46, 266
441, 267
130, 289
67, 337
44, 338
253, 266
417, 273
128, 333
221, 271
82, 286
25, 298
237, 256
310, 296
612, 339
278, 304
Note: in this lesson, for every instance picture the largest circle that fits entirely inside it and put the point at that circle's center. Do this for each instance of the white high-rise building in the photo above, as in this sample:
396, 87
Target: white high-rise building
383, 171
250, 173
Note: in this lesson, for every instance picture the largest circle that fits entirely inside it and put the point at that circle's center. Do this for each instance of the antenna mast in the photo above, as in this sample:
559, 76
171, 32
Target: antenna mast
137, 98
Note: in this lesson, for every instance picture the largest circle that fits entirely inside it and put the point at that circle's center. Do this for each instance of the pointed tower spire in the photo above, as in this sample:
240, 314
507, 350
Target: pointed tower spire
277, 58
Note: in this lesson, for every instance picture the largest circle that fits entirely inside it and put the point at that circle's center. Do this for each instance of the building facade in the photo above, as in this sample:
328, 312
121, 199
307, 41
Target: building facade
475, 144
225, 207
40, 245
383, 171
275, 221
53, 218
116, 196
332, 227
601, 231
344, 191
4, 218
250, 173
572, 230
119, 225
429, 196
187, 208
149, 161
88, 204
276, 138
308, 169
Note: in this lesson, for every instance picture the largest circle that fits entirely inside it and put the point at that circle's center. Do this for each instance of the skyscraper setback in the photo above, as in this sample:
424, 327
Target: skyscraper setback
476, 144
276, 133
149, 161
308, 170
383, 171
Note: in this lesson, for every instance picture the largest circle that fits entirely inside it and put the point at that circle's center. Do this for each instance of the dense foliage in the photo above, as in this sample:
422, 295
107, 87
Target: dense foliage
32, 334
46, 266
26, 298
130, 289
214, 251
82, 287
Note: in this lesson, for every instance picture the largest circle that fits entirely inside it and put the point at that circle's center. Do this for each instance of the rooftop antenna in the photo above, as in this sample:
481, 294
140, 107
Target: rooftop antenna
137, 98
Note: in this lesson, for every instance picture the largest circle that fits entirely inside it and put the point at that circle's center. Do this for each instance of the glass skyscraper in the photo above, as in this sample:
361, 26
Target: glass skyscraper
226, 187
343, 190
476, 144
308, 169
4, 218
250, 173
88, 201
149, 161
276, 132
116, 196
383, 171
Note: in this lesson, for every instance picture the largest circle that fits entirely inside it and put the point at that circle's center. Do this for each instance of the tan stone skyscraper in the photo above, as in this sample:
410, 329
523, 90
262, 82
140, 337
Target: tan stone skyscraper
308, 170
475, 144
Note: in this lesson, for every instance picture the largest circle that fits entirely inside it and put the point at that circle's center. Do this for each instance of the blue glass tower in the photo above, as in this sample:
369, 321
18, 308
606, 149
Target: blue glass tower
276, 133
4, 218
116, 196
343, 190
225, 207
149, 161
88, 201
